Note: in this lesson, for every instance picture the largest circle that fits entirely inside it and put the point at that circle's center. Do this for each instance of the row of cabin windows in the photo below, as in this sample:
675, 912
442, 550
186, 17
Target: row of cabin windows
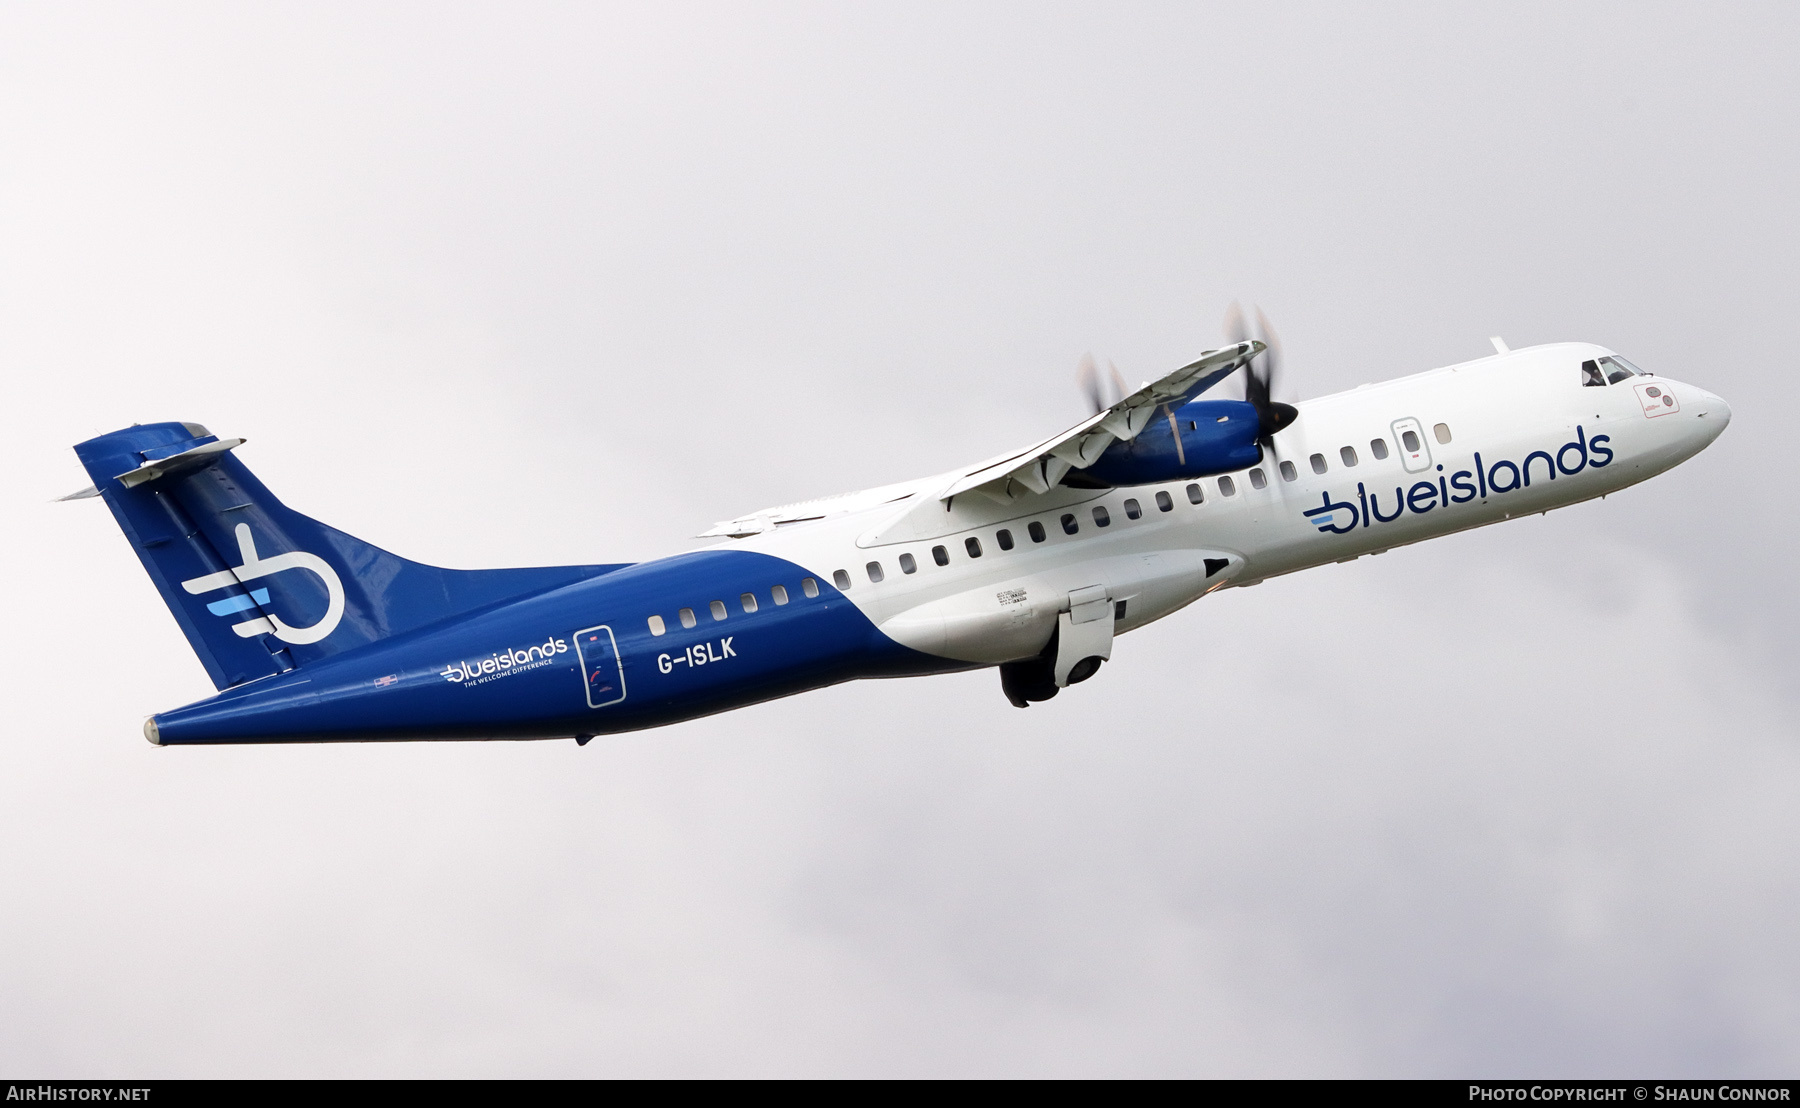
1347, 454
1102, 518
1005, 539
777, 593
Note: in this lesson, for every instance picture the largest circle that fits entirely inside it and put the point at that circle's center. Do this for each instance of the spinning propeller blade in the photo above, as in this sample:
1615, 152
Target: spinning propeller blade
1259, 375
1101, 393
1087, 379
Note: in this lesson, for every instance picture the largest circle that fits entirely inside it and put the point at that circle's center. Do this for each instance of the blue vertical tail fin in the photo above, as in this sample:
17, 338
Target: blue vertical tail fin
257, 587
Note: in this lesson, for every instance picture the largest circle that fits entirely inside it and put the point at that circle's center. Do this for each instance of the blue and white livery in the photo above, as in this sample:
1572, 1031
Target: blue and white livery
1032, 562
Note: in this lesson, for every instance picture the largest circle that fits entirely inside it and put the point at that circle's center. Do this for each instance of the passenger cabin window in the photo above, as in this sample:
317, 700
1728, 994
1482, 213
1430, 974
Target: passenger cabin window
908, 564
687, 618
1318, 463
1257, 480
1410, 440
1004, 538
1166, 503
717, 608
1035, 530
1069, 524
973, 546
657, 627
1441, 432
748, 600
809, 587
1101, 519
779, 595
1618, 369
940, 555
1347, 455
1227, 487
840, 578
873, 569
1133, 510
1288, 472
1196, 495
1378, 447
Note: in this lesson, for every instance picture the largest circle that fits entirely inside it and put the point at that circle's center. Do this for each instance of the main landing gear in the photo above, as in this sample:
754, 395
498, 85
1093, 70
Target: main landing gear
1081, 642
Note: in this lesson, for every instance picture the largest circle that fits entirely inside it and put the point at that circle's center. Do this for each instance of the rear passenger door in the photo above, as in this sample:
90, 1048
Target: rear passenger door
600, 669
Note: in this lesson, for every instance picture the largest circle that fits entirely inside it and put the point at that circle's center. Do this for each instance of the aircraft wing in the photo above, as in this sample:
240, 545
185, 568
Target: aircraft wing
1035, 469
1039, 468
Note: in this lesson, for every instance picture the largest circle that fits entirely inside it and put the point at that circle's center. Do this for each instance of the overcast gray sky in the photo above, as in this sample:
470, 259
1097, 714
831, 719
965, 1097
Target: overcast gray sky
499, 285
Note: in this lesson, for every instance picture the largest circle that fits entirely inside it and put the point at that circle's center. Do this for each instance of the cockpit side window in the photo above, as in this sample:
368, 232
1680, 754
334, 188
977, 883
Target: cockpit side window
1618, 369
1590, 375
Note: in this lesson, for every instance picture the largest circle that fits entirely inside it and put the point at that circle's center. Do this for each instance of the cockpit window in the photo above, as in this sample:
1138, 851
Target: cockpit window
1591, 376
1618, 369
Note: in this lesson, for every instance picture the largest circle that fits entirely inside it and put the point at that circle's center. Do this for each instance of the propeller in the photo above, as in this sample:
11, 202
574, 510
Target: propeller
1271, 415
1092, 386
1087, 379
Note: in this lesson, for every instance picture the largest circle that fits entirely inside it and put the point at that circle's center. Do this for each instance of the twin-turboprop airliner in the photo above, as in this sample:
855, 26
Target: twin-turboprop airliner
1031, 563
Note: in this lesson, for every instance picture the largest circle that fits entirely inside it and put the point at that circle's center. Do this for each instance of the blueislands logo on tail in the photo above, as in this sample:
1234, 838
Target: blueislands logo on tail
256, 601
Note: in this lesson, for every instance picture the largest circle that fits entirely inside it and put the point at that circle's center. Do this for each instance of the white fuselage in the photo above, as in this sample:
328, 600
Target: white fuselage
1525, 408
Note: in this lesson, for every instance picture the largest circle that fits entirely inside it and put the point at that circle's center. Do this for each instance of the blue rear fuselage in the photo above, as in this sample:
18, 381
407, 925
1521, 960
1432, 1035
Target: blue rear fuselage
577, 660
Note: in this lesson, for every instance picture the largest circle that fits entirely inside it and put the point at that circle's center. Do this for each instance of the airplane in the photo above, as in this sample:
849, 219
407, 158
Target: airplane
1031, 563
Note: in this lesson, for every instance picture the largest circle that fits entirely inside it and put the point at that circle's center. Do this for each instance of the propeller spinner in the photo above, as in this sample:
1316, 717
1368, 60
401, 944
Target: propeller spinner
1271, 415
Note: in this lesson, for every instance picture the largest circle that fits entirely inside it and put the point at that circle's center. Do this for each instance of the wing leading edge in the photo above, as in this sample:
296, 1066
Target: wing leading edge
1039, 468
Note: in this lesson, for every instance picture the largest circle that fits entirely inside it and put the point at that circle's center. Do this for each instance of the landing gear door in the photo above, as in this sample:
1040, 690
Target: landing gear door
1409, 440
1083, 632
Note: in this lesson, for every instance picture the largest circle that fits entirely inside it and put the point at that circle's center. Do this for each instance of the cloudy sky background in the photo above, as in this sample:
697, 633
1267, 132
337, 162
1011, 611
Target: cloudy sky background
525, 285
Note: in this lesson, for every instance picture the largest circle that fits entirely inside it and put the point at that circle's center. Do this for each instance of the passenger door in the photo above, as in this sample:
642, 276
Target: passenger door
600, 669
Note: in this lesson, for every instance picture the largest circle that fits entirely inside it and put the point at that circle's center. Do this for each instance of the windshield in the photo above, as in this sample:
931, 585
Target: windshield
1618, 369
1609, 370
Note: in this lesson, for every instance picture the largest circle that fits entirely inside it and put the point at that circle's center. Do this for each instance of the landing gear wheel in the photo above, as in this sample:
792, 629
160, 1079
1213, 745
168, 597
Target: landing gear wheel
1031, 679
1024, 682
1085, 669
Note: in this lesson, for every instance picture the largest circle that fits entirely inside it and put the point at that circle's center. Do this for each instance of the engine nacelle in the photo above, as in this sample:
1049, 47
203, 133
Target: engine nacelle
1195, 440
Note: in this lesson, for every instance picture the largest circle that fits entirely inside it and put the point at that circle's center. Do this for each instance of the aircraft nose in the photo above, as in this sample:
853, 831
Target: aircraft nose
1712, 413
1714, 407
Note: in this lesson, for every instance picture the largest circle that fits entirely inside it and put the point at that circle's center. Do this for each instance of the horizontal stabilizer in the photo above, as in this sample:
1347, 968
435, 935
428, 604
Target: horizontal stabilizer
188, 460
